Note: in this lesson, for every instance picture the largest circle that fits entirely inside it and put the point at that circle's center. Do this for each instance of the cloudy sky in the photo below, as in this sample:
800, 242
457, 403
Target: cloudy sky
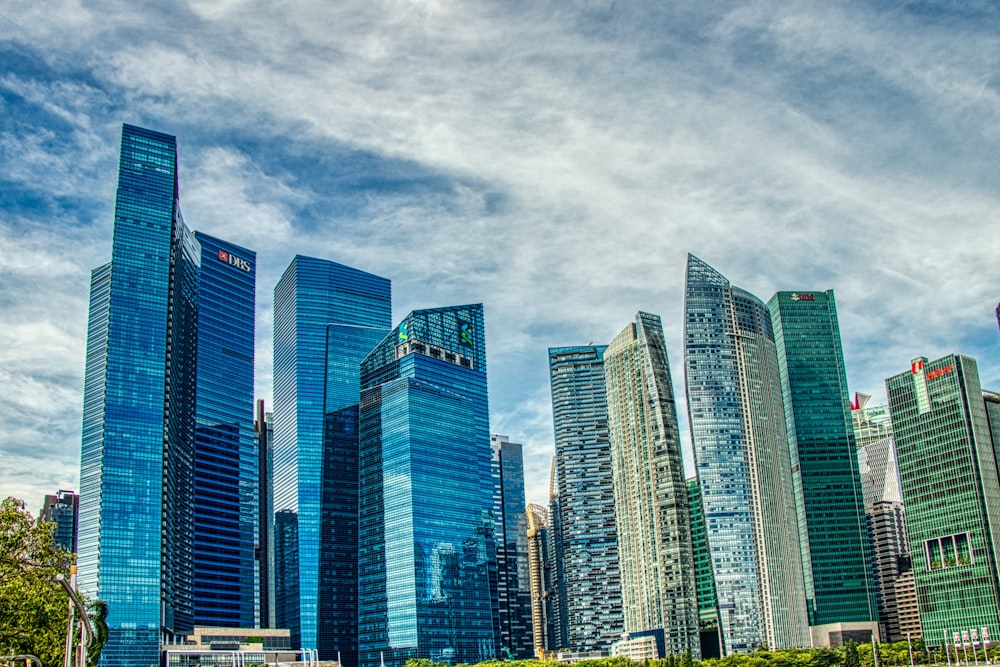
554, 160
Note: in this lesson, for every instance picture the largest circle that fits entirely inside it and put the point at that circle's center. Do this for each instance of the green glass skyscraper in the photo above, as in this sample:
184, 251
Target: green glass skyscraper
948, 471
836, 566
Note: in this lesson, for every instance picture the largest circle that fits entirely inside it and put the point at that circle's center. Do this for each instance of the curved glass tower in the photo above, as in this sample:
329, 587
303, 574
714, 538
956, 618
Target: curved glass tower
659, 590
743, 463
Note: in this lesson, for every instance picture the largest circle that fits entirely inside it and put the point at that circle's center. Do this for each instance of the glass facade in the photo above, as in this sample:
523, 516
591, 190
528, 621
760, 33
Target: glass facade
225, 458
514, 629
327, 317
948, 470
840, 590
159, 384
708, 614
743, 465
587, 538
653, 515
426, 553
135, 538
62, 510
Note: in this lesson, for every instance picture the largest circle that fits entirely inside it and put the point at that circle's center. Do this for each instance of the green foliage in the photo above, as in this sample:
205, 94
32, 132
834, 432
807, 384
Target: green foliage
33, 608
851, 658
253, 639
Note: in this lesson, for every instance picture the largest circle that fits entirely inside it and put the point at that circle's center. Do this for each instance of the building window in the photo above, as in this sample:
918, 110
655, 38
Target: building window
942, 553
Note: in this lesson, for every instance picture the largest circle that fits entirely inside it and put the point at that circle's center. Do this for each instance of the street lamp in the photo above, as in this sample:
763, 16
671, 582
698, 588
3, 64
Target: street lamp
86, 632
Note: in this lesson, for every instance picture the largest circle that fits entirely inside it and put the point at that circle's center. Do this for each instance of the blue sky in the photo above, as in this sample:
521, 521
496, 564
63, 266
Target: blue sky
554, 160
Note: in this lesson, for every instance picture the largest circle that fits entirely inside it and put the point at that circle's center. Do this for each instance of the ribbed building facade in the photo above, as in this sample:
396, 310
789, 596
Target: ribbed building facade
426, 540
538, 548
743, 465
836, 565
588, 537
948, 470
656, 559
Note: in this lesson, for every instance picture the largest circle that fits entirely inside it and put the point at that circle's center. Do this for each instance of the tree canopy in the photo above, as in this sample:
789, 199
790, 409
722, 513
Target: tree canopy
34, 610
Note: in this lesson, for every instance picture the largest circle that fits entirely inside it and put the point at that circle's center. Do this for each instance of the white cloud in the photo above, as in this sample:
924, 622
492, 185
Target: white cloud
556, 162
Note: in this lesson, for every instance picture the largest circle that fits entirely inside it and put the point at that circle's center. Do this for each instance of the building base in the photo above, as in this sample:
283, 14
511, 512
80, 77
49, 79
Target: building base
834, 635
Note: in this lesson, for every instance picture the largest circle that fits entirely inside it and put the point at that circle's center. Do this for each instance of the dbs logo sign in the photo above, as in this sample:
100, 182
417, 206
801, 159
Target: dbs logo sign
232, 260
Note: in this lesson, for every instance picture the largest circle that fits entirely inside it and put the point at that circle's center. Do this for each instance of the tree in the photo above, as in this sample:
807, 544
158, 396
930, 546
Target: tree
851, 657
33, 608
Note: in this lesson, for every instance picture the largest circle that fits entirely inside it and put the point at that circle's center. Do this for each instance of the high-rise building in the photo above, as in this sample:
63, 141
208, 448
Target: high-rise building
948, 470
871, 422
327, 317
514, 627
743, 465
538, 548
426, 552
62, 509
884, 511
158, 412
708, 613
840, 589
653, 514
265, 527
225, 457
588, 537
556, 605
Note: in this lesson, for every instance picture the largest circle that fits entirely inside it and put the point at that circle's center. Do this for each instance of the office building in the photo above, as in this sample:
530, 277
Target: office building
538, 548
871, 422
743, 465
840, 589
158, 412
653, 515
514, 628
265, 527
327, 317
587, 535
708, 613
62, 509
556, 605
225, 458
948, 470
885, 513
426, 553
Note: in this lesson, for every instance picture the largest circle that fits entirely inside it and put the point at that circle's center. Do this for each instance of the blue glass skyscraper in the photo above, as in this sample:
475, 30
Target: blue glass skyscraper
426, 491
585, 529
327, 317
225, 457
743, 464
166, 521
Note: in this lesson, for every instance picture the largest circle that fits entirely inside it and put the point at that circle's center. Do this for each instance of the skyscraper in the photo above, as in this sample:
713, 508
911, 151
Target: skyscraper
152, 412
659, 590
426, 493
538, 548
743, 465
514, 629
265, 527
587, 536
948, 470
708, 613
327, 317
225, 459
556, 605
884, 510
840, 589
62, 509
